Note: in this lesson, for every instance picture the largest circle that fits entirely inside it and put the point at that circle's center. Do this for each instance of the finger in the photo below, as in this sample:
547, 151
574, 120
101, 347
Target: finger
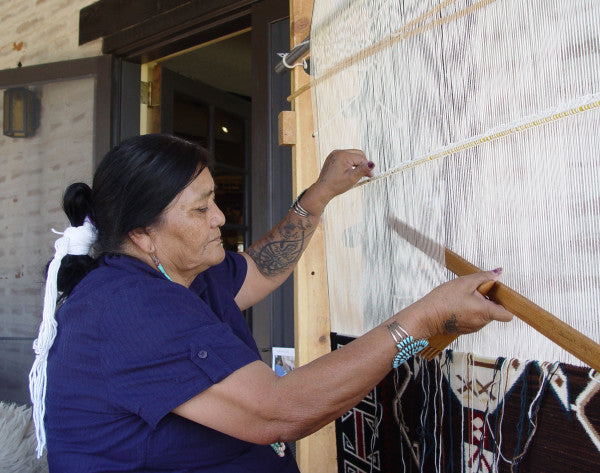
348, 156
480, 279
499, 313
355, 157
357, 152
365, 168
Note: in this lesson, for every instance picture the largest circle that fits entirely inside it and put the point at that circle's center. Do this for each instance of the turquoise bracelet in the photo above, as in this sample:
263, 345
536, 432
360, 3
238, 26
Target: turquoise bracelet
408, 348
407, 345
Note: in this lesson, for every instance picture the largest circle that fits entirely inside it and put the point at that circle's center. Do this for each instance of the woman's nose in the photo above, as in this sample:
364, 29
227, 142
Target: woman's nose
218, 219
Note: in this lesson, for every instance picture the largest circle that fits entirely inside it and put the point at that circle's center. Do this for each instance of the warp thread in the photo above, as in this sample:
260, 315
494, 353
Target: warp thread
407, 31
435, 423
578, 105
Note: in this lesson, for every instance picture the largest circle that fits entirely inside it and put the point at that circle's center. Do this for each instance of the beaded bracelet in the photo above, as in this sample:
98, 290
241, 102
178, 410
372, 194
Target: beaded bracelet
279, 448
407, 345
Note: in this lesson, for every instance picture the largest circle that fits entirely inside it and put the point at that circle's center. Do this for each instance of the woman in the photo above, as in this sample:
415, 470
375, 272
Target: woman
153, 367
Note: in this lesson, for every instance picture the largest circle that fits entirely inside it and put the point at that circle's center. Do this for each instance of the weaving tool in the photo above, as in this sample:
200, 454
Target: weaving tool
544, 322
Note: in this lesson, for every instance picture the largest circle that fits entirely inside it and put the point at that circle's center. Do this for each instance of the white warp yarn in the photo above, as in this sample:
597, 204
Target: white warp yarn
74, 241
507, 93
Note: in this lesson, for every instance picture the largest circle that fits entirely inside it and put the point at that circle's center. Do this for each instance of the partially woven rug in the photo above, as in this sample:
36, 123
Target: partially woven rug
464, 414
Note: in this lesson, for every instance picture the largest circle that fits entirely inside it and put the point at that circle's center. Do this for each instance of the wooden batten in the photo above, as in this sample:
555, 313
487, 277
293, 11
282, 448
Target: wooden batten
311, 307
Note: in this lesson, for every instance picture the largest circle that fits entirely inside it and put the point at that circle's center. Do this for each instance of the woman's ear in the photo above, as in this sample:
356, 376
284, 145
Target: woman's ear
140, 238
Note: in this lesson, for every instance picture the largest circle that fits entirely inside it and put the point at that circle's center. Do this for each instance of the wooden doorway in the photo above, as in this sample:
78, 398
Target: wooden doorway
219, 121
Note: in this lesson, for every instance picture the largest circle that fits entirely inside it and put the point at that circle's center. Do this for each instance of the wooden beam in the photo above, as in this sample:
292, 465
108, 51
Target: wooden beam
311, 306
179, 29
106, 17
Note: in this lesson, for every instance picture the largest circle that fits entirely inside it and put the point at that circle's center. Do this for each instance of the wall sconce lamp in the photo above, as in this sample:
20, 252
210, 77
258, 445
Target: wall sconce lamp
21, 112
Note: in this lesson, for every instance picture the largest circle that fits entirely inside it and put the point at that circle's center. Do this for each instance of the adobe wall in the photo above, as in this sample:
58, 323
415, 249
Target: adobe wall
34, 172
40, 31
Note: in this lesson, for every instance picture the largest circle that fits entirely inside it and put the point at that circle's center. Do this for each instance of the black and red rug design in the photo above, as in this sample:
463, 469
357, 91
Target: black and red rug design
463, 414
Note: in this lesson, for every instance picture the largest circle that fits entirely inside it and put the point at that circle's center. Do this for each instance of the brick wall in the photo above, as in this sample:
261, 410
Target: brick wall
35, 171
41, 31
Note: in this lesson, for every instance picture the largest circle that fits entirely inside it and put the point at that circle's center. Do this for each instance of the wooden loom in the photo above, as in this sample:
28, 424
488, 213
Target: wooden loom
312, 328
341, 109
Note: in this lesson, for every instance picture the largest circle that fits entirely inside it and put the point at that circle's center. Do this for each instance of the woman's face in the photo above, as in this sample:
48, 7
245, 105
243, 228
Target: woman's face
188, 236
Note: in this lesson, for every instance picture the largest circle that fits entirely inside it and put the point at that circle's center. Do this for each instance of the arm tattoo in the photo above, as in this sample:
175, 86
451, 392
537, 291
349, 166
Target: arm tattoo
279, 251
450, 324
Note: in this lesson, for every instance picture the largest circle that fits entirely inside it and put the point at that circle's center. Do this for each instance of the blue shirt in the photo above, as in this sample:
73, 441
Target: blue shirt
132, 346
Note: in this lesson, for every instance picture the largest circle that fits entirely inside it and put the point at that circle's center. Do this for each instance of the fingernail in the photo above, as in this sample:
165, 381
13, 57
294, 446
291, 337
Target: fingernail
370, 164
497, 271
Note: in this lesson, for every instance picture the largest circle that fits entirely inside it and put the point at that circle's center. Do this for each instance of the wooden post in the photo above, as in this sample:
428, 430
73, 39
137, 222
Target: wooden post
311, 306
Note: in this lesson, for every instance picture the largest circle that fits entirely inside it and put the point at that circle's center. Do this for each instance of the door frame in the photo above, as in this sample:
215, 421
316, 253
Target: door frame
273, 318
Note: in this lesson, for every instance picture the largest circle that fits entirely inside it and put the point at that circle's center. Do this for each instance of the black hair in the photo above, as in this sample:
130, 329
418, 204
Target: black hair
132, 186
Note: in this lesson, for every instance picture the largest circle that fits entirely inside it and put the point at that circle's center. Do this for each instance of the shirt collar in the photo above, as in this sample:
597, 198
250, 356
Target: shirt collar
134, 265
128, 263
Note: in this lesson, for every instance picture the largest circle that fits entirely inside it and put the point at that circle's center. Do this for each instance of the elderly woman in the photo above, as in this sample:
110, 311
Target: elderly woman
153, 367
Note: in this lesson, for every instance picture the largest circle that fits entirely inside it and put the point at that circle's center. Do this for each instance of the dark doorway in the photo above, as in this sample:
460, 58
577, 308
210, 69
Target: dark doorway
219, 121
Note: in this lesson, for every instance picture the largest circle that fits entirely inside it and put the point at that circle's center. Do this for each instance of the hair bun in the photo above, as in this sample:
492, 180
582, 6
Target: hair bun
77, 203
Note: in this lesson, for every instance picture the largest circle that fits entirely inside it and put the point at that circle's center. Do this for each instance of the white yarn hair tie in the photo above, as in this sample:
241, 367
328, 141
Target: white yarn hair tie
74, 241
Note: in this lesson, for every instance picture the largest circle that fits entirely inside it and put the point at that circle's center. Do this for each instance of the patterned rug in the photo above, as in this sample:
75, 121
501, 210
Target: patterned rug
464, 414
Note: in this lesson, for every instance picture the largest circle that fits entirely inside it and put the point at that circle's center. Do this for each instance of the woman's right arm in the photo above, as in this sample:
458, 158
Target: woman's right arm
255, 405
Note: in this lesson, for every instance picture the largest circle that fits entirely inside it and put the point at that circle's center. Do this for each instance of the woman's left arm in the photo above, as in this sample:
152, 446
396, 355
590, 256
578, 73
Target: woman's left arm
273, 258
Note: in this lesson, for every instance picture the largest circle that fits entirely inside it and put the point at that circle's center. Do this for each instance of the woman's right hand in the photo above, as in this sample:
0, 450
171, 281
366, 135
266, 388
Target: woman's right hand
456, 307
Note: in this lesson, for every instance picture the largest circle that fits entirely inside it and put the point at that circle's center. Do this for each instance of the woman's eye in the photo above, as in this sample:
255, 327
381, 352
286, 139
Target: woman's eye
202, 209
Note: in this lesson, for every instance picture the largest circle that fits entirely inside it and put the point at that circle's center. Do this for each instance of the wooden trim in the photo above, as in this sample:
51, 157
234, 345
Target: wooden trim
156, 109
103, 106
106, 17
287, 128
150, 48
100, 67
62, 70
318, 451
151, 37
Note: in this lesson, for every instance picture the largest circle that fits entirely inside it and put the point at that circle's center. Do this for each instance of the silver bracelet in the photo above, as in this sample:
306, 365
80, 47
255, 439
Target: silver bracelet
398, 333
407, 345
297, 208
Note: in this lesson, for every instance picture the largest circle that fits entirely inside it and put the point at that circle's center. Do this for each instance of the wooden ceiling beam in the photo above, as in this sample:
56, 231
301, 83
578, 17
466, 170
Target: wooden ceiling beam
140, 33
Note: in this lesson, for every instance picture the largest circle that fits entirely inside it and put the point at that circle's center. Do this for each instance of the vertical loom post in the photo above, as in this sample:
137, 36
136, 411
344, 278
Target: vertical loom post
311, 307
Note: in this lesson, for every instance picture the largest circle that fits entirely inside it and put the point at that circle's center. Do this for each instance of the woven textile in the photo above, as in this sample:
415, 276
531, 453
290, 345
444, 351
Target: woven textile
468, 414
367, 436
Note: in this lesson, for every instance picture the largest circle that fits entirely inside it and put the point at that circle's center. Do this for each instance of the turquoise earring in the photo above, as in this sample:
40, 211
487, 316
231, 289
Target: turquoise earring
159, 266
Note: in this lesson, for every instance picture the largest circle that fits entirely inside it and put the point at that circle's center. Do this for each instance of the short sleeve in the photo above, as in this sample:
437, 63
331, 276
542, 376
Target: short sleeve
164, 346
238, 267
229, 275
